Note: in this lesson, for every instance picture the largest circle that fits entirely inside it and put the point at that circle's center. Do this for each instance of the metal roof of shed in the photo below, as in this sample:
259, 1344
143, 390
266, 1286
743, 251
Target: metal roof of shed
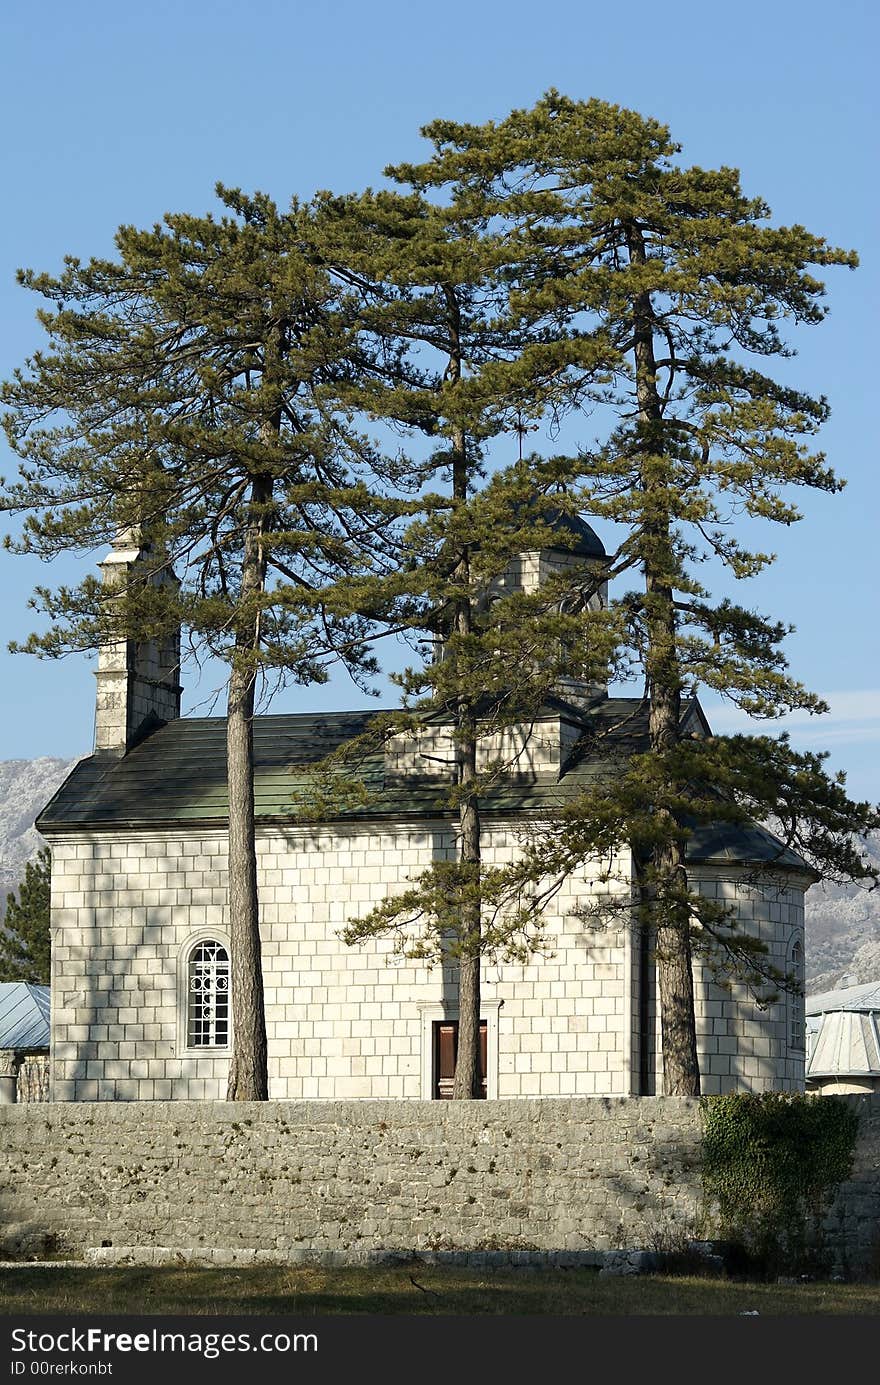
847, 1044
863, 997
24, 1015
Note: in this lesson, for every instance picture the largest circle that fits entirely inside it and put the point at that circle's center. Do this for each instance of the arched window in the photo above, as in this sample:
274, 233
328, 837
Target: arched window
207, 996
797, 1018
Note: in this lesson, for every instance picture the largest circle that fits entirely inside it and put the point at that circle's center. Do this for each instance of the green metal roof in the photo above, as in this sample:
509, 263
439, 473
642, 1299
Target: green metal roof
177, 777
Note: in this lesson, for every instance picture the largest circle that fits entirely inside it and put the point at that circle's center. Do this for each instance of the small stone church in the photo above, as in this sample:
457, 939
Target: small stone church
140, 942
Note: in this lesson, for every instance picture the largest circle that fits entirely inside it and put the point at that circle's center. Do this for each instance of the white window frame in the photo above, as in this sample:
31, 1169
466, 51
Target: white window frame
204, 935
795, 1009
432, 1014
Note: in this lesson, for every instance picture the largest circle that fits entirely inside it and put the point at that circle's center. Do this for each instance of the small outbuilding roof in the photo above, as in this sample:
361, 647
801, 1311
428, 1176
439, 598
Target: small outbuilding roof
843, 1032
24, 1015
864, 997
847, 1044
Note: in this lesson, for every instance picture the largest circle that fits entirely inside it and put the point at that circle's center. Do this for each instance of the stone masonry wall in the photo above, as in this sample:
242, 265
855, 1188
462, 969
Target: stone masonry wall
429, 751
351, 1176
355, 1180
356, 1022
342, 1022
744, 1047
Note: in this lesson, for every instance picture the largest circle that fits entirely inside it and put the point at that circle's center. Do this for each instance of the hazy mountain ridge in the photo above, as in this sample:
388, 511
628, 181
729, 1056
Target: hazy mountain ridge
842, 929
843, 932
25, 788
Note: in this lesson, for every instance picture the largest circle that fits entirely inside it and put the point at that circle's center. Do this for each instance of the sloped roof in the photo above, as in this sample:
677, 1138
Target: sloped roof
743, 844
847, 1044
863, 997
24, 1015
178, 776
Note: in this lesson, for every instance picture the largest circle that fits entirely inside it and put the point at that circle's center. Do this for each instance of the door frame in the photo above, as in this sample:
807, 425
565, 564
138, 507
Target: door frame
431, 1013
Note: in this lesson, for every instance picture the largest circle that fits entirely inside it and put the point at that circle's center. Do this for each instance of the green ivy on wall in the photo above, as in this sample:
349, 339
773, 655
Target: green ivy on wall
771, 1166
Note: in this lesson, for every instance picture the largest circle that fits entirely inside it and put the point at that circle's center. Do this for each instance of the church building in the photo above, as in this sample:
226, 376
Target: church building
140, 939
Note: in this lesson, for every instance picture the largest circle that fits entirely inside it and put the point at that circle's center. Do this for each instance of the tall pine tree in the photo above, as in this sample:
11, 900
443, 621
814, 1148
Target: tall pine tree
677, 272
25, 953
435, 286
189, 396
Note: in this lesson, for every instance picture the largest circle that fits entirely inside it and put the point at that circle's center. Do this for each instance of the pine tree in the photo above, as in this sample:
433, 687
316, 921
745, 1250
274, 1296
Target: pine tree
189, 396
435, 285
25, 939
676, 273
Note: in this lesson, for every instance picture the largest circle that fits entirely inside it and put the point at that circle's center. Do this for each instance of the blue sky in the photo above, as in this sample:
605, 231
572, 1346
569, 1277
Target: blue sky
116, 114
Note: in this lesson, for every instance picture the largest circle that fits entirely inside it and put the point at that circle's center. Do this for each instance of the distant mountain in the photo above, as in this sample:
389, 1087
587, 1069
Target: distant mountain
843, 932
842, 929
25, 788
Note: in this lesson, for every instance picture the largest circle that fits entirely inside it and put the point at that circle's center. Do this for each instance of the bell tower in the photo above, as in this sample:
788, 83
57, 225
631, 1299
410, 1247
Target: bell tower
579, 550
138, 681
542, 746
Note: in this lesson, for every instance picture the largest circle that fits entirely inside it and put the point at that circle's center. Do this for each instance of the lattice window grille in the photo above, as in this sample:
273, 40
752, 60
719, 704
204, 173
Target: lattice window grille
208, 996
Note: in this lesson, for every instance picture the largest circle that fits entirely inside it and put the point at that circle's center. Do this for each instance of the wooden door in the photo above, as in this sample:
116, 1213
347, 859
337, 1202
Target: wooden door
445, 1054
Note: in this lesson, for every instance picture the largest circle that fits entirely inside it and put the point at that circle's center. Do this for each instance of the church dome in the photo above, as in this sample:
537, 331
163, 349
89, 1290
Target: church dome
576, 536
587, 542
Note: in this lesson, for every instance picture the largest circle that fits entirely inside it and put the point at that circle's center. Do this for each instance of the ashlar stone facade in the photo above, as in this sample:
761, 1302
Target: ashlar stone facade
139, 902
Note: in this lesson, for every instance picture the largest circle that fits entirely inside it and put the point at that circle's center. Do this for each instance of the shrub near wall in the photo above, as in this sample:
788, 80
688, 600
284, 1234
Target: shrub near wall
772, 1165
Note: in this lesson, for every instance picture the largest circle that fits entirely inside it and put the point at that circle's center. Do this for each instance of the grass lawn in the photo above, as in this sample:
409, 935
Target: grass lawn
418, 1289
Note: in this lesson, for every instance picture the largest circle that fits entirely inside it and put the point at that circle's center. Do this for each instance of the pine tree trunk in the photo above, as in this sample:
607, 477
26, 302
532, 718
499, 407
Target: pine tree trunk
467, 1082
681, 1071
248, 1073
675, 981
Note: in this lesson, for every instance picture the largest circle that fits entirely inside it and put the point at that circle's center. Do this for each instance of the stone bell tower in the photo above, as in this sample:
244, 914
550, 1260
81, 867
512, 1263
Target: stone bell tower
579, 550
138, 681
544, 745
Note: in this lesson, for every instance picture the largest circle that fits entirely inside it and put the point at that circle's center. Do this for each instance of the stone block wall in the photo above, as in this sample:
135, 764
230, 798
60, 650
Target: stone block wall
744, 1047
852, 1226
33, 1078
525, 751
343, 1022
529, 571
357, 1022
352, 1177
548, 1178
137, 682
